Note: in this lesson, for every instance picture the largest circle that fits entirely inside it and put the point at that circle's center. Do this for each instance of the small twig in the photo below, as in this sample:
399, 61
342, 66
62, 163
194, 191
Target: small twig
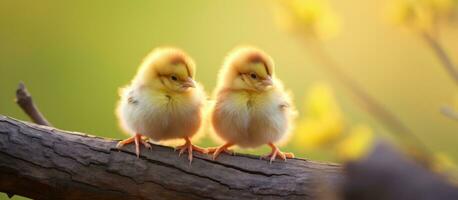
449, 112
24, 100
441, 55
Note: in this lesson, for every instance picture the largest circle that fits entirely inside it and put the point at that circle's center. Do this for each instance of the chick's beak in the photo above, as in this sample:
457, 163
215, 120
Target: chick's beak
267, 82
189, 83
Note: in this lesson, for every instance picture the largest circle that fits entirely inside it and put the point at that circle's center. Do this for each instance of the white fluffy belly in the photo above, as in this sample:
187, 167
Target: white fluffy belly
159, 122
249, 129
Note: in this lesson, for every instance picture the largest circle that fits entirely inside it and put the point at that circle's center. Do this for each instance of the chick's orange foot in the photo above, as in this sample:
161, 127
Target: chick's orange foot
137, 138
277, 153
215, 151
188, 146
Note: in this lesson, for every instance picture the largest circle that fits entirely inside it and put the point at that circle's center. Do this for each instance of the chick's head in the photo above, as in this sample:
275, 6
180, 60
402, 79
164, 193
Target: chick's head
247, 68
167, 69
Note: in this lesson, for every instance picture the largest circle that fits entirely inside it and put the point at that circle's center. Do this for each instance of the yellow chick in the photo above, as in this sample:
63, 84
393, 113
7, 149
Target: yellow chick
251, 107
163, 101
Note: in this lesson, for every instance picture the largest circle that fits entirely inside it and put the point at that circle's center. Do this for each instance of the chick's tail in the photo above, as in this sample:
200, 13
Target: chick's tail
123, 93
291, 115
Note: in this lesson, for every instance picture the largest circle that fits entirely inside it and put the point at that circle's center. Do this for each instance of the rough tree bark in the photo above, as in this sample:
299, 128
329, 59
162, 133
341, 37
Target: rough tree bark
46, 163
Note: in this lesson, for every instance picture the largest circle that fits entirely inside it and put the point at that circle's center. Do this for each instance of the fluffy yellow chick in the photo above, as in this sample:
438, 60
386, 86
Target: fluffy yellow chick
251, 108
163, 101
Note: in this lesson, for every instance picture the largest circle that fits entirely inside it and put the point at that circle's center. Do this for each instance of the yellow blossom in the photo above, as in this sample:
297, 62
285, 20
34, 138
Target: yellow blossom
442, 7
443, 163
422, 15
323, 121
357, 144
313, 18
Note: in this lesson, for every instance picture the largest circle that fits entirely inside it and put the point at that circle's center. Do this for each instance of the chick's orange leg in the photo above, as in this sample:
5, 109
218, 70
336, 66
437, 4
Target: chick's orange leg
277, 153
188, 146
218, 150
137, 139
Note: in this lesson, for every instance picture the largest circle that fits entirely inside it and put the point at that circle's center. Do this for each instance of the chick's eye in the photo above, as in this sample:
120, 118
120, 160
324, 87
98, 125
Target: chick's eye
174, 78
253, 76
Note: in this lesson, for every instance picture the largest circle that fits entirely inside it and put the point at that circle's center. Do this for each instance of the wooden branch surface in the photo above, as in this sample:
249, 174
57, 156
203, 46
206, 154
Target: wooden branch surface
46, 163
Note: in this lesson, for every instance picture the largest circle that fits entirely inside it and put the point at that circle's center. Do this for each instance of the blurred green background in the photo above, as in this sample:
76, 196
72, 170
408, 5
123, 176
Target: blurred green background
74, 55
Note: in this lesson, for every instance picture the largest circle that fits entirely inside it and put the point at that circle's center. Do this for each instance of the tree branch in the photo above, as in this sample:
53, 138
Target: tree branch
442, 55
388, 174
449, 112
46, 163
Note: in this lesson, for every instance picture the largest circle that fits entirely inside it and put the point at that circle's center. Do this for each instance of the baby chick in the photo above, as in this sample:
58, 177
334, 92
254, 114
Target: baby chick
251, 108
163, 101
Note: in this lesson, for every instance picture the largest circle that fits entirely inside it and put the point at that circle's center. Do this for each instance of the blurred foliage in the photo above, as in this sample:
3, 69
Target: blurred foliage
324, 126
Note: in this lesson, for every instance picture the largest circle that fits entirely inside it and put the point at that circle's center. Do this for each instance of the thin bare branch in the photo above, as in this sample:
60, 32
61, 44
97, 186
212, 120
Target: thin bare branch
24, 100
449, 112
442, 55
